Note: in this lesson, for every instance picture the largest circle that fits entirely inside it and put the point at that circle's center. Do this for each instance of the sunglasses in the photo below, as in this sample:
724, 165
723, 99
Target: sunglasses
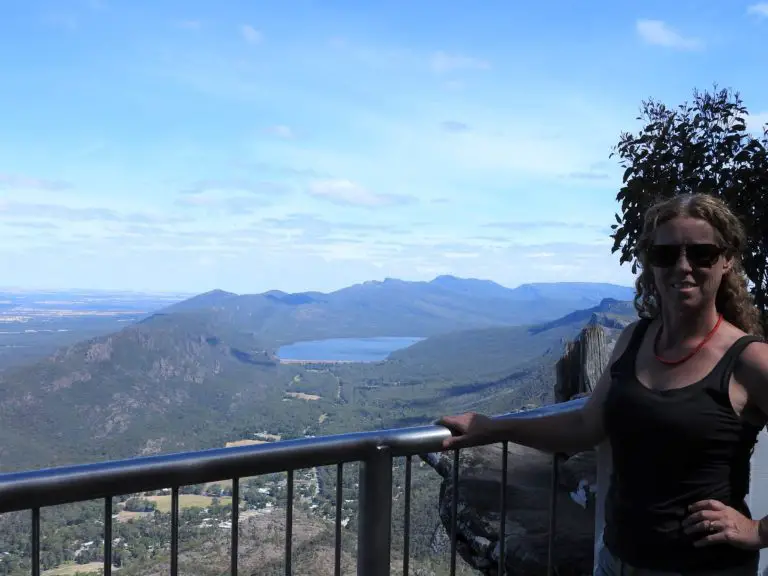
698, 255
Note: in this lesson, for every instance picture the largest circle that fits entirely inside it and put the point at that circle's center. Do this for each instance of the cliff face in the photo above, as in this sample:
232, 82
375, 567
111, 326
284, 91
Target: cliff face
529, 477
529, 486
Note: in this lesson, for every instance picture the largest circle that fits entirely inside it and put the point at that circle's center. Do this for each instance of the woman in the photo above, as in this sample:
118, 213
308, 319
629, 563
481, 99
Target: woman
682, 402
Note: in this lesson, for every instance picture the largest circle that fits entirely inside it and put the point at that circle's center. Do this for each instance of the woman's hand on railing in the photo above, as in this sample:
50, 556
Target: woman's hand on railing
466, 429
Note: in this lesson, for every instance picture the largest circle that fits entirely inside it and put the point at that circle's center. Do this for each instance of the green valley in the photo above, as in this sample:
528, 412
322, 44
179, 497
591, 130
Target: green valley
190, 377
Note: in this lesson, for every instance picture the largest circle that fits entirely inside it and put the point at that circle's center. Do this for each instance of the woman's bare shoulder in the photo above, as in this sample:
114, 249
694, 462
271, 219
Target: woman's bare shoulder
754, 359
625, 338
752, 373
730, 334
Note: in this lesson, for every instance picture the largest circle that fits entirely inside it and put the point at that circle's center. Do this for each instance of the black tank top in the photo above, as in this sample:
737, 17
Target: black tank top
670, 449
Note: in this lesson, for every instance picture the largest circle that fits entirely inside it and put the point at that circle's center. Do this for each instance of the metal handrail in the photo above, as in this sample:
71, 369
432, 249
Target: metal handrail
32, 490
66, 484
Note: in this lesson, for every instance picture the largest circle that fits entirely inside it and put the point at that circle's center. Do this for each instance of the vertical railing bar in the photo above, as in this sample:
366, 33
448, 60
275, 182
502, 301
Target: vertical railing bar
454, 510
108, 536
289, 525
503, 522
235, 542
553, 514
175, 531
374, 534
36, 542
339, 510
407, 517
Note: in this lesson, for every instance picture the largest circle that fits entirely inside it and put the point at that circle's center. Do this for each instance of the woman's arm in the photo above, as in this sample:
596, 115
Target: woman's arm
721, 523
569, 432
752, 373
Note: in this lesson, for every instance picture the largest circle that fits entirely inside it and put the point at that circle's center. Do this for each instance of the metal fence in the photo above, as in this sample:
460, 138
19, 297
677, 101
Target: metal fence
373, 450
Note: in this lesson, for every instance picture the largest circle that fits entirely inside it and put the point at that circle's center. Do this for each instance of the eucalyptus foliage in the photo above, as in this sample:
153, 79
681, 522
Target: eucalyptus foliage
699, 146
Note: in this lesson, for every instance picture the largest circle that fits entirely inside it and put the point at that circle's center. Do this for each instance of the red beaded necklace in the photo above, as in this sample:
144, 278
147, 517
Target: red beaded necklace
692, 353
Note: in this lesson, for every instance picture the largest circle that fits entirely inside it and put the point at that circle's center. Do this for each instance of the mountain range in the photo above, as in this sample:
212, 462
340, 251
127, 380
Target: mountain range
397, 308
203, 372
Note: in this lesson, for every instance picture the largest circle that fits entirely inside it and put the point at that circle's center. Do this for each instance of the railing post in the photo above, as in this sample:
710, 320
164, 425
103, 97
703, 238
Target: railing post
375, 514
553, 514
604, 469
758, 489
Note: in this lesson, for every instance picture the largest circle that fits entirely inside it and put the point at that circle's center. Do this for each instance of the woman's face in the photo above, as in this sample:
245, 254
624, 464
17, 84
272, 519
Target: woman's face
688, 262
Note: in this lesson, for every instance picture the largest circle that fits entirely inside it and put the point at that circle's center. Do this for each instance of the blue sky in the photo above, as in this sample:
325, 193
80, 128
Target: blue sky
184, 145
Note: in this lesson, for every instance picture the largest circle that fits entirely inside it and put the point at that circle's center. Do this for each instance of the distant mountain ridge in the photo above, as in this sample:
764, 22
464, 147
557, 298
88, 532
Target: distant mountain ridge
395, 307
610, 313
468, 286
203, 372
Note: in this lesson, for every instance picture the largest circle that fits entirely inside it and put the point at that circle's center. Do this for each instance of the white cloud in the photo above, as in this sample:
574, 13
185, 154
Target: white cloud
31, 225
231, 197
223, 204
460, 255
250, 34
22, 182
500, 149
61, 213
539, 255
443, 62
264, 188
349, 193
549, 224
659, 33
760, 9
282, 131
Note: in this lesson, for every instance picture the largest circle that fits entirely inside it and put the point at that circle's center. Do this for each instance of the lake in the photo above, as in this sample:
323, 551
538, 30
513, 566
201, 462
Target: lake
346, 349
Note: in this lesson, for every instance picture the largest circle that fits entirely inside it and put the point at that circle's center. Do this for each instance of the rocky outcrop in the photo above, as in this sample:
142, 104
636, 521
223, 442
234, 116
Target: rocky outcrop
529, 487
582, 363
527, 519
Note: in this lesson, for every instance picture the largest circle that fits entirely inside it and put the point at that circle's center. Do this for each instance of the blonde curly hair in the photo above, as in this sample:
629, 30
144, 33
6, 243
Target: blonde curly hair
733, 299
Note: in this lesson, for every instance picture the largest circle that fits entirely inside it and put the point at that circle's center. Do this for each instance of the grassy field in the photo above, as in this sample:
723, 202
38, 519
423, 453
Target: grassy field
223, 484
126, 516
186, 501
71, 569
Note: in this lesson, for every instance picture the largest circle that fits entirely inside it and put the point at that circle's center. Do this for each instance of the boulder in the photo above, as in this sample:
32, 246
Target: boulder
527, 521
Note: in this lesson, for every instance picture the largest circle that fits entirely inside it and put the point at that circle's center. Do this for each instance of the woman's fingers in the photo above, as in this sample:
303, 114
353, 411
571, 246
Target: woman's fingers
449, 421
700, 516
706, 526
453, 442
458, 425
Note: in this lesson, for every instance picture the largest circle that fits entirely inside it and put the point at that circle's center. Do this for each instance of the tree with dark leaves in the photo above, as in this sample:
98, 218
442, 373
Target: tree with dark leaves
702, 146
